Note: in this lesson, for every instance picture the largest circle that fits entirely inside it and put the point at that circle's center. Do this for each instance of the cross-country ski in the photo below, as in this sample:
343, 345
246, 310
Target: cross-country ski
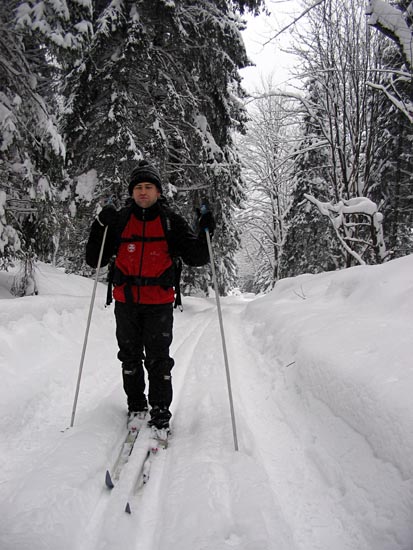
124, 453
155, 442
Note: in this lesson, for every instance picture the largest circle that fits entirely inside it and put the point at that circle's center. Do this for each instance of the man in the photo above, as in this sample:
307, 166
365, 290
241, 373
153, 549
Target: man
146, 237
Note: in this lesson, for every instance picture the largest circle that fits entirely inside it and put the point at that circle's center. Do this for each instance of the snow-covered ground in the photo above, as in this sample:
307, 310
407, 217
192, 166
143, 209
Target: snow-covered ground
322, 380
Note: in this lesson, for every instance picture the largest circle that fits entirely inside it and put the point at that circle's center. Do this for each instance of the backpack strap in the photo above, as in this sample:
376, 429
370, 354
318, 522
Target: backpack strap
167, 227
166, 279
178, 270
140, 239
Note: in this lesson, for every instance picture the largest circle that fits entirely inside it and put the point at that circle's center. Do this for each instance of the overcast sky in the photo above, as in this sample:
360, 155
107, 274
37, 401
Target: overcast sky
269, 59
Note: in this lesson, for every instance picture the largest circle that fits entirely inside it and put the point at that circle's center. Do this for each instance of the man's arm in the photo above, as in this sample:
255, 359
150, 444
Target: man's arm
107, 217
192, 248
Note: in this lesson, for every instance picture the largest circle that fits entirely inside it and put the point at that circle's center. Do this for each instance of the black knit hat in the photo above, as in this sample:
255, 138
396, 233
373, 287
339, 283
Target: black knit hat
144, 172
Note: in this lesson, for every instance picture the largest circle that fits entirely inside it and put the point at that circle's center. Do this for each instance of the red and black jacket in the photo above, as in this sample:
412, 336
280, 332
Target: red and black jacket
146, 242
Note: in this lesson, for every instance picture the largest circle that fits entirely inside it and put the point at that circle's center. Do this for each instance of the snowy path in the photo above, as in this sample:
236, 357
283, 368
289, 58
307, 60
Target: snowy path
305, 477
201, 493
309, 507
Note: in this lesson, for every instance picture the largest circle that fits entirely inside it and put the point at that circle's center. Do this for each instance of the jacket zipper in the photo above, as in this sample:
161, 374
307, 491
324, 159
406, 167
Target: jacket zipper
142, 251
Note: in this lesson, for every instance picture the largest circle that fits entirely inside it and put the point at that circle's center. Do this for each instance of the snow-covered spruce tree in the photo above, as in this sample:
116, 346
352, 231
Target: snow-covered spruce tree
309, 245
31, 148
394, 160
396, 186
392, 164
336, 52
60, 30
63, 26
160, 80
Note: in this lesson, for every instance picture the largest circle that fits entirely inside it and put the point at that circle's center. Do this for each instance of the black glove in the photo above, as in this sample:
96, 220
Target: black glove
108, 215
206, 221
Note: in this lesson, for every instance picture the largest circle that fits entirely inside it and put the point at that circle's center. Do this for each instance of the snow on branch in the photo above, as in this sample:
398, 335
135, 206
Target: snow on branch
8, 235
111, 16
358, 226
403, 105
53, 20
390, 21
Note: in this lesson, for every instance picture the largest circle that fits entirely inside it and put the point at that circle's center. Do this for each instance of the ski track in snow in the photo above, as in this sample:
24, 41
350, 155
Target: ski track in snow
308, 505
305, 477
110, 526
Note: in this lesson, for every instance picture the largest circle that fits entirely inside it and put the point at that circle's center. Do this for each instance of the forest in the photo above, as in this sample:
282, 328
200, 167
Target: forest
305, 180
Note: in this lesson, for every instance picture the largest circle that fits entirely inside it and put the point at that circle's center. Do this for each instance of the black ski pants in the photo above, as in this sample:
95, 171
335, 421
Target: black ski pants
144, 334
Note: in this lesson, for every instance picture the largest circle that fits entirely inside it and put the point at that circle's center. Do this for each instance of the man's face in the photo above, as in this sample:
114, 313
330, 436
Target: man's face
145, 194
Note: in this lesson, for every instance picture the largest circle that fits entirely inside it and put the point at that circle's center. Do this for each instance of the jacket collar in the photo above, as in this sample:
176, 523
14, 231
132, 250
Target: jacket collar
147, 214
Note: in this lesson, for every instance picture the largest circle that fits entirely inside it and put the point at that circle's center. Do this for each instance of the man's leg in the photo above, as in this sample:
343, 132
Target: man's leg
129, 331
157, 340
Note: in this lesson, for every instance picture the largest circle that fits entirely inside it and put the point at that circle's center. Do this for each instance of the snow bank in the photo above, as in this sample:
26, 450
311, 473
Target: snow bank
343, 341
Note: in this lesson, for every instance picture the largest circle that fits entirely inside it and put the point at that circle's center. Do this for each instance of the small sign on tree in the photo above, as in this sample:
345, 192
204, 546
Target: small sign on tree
21, 206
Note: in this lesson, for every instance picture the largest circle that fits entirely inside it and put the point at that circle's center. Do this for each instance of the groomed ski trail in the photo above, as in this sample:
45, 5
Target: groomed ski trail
269, 410
207, 484
202, 495
199, 480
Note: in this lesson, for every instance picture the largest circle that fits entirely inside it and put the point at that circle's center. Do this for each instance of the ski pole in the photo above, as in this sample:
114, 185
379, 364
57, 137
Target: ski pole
92, 301
204, 209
